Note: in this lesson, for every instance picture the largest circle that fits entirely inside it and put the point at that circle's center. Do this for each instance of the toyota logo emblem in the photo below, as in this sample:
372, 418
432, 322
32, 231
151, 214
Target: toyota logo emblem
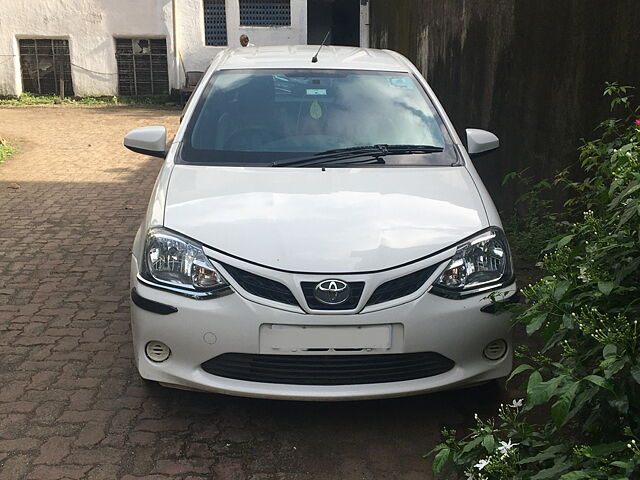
332, 292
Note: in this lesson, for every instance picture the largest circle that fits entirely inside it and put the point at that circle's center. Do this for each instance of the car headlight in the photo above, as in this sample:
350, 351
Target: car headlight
480, 264
179, 264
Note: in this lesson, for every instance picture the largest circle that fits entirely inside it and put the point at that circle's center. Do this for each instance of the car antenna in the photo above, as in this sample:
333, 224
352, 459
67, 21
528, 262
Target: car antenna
314, 59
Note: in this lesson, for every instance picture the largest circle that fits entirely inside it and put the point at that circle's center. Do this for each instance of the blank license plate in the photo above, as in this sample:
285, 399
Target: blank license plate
290, 338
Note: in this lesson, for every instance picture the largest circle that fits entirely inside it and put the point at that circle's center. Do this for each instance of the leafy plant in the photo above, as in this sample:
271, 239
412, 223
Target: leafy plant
6, 150
163, 101
531, 221
586, 379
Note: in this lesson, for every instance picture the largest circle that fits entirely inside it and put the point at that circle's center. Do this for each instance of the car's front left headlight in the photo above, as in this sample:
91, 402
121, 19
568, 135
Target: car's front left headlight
480, 264
180, 265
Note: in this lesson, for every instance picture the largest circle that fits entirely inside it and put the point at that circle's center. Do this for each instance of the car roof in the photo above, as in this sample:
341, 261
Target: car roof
299, 56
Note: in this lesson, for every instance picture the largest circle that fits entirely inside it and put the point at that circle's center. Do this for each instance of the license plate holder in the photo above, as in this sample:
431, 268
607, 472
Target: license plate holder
292, 338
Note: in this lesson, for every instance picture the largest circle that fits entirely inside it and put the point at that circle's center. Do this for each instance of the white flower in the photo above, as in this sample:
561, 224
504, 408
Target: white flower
505, 447
517, 403
482, 463
470, 476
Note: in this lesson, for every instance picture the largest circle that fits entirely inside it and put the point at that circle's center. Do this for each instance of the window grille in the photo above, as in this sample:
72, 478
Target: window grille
43, 64
142, 66
265, 12
215, 23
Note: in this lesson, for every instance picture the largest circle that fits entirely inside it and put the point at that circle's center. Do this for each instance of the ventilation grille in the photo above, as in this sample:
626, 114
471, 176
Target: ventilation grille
328, 369
215, 23
401, 287
261, 287
265, 12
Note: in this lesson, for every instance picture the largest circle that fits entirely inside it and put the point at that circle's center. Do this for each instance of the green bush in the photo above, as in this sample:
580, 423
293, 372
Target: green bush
531, 221
581, 417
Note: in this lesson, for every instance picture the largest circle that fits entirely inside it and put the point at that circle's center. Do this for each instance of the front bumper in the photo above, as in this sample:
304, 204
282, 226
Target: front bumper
203, 329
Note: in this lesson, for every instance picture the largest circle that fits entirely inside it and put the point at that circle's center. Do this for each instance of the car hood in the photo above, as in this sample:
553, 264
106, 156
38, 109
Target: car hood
340, 220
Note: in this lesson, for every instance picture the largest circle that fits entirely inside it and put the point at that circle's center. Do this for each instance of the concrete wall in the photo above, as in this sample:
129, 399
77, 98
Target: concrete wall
91, 25
190, 23
530, 71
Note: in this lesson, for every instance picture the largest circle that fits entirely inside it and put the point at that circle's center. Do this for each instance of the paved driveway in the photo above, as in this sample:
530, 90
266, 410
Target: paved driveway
71, 402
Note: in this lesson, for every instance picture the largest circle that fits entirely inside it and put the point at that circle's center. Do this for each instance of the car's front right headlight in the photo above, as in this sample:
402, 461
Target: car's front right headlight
180, 265
480, 264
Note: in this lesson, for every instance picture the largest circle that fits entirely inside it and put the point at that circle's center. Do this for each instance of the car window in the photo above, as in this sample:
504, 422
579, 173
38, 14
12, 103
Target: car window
257, 117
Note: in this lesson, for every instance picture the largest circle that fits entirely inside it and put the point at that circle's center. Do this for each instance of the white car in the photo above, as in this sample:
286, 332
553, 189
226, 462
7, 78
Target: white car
318, 232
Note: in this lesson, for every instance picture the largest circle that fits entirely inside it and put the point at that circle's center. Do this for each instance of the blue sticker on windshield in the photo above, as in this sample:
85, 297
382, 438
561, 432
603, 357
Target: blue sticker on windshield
316, 91
400, 82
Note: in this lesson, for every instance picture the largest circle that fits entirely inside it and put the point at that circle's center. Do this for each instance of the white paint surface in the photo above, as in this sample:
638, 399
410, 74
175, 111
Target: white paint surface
91, 26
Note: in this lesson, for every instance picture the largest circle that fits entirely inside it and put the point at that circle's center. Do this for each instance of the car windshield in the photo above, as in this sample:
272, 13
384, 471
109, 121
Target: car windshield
258, 117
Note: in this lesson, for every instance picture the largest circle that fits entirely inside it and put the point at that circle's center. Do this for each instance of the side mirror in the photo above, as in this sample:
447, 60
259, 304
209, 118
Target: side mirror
148, 141
481, 141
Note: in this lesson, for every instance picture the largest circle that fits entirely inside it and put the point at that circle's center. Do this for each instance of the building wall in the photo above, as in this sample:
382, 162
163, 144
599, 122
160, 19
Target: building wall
91, 25
190, 35
531, 72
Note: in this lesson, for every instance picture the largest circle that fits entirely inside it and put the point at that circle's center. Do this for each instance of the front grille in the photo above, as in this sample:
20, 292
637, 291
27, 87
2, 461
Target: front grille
261, 286
355, 291
401, 287
328, 369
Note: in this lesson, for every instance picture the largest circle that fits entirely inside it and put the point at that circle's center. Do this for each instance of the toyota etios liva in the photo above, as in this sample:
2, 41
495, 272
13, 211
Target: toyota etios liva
318, 232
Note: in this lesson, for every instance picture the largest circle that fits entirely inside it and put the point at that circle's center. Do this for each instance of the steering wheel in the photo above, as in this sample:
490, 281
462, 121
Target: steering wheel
250, 137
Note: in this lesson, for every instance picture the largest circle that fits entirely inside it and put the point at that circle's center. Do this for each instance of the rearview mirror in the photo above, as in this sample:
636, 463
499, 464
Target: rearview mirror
481, 141
148, 141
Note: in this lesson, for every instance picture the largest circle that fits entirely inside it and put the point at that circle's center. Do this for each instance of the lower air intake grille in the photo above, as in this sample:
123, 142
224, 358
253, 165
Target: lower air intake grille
328, 369
401, 287
261, 286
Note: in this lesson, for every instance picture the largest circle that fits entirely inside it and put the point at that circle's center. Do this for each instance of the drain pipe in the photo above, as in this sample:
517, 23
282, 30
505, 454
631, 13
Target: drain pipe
176, 53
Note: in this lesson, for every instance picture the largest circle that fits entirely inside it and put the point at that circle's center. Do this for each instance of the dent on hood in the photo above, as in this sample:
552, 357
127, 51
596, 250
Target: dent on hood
327, 223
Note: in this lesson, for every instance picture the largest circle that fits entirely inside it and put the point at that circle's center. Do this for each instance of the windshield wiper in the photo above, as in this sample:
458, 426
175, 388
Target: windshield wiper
344, 155
386, 149
341, 156
330, 160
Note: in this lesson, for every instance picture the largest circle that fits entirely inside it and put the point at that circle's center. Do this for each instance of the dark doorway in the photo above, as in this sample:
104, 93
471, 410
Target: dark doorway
341, 16
46, 66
